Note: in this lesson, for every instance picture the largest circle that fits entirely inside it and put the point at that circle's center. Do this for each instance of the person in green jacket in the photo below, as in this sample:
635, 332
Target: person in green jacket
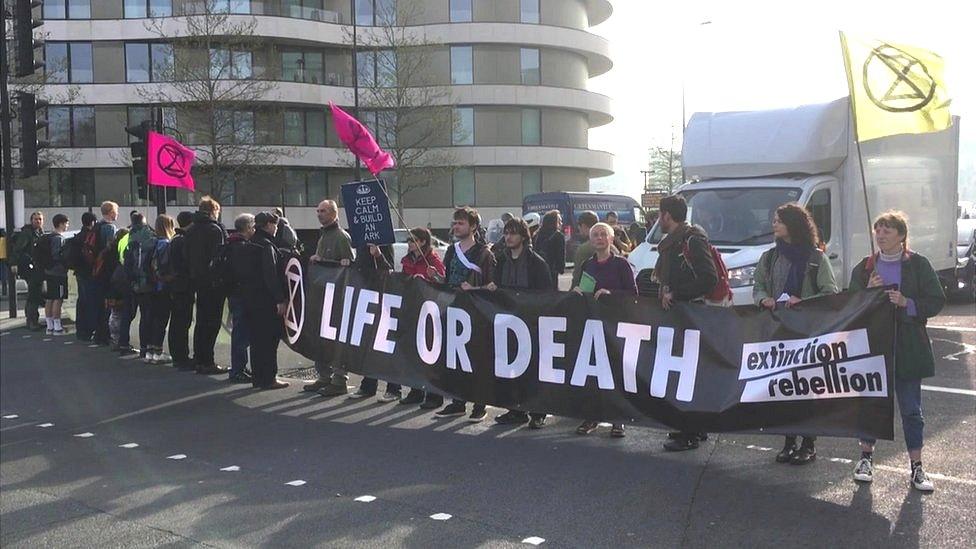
918, 297
794, 270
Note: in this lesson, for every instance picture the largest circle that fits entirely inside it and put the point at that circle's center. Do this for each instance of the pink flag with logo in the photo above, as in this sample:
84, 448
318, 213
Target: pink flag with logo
169, 162
360, 142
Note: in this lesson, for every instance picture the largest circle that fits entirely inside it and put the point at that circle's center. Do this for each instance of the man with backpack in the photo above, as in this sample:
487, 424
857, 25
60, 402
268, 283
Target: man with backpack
104, 231
203, 240
23, 266
49, 258
173, 268
137, 261
688, 270
79, 256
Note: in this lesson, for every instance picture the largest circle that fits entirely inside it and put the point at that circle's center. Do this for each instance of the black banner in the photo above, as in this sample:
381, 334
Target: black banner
824, 368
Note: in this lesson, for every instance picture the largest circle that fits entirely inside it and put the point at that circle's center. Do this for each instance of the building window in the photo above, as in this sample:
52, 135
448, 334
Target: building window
376, 68
138, 9
302, 66
529, 11
531, 181
460, 11
67, 9
136, 114
530, 66
376, 12
382, 124
234, 127
531, 127
364, 12
315, 128
72, 187
366, 68
69, 62
462, 65
294, 128
146, 62
228, 64
463, 183
230, 6
463, 126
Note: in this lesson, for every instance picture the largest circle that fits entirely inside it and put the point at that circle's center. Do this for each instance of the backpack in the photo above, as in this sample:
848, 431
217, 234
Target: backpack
722, 292
138, 266
72, 252
162, 262
813, 269
42, 255
221, 269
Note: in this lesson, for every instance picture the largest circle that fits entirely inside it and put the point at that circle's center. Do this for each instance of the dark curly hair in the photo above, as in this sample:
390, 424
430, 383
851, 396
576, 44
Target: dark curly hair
799, 224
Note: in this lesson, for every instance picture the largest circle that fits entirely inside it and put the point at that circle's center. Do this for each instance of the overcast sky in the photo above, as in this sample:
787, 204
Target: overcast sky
753, 54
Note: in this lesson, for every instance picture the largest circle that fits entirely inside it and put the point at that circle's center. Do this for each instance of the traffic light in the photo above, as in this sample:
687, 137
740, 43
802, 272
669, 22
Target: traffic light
24, 25
138, 151
30, 122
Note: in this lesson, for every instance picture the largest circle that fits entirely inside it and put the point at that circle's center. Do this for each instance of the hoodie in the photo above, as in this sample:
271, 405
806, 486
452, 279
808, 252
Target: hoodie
202, 240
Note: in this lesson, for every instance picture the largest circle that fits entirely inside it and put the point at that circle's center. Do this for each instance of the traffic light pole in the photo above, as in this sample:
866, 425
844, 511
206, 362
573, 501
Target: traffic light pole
160, 191
8, 169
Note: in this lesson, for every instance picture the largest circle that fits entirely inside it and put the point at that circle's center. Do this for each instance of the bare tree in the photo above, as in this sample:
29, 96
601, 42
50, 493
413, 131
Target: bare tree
664, 164
401, 100
209, 81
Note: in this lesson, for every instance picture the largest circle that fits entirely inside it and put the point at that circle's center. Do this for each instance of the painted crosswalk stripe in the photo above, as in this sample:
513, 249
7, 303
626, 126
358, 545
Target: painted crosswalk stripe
440, 516
230, 469
296, 483
533, 540
85, 435
176, 456
365, 499
46, 425
129, 445
11, 416
953, 390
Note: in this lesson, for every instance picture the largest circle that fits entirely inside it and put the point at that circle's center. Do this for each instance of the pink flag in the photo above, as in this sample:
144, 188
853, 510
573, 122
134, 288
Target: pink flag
169, 162
360, 142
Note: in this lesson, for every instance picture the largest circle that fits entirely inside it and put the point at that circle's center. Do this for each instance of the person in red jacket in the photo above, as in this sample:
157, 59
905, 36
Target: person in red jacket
423, 262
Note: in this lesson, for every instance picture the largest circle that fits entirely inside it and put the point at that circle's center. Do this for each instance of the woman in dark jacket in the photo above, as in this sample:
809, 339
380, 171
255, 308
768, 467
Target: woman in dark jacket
550, 243
795, 269
918, 297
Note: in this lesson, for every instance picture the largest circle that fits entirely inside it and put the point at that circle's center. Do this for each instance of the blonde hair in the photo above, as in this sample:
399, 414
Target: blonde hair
894, 219
209, 205
108, 207
603, 226
165, 227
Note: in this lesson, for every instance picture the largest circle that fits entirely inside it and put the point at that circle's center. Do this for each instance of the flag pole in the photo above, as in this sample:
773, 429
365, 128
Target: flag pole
376, 178
857, 140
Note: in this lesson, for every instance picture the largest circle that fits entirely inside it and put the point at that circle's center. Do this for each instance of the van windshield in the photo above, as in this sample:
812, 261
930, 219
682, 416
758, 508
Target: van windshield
736, 217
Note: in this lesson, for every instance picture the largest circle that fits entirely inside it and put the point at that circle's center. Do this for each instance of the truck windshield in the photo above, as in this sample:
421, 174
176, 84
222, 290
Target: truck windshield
736, 216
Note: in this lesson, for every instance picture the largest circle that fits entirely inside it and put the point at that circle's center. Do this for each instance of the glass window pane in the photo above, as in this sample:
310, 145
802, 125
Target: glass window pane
365, 68
530, 66
56, 61
531, 127
223, 126
819, 207
137, 62
162, 62
460, 11
364, 12
160, 8
59, 126
461, 65
294, 130
81, 63
385, 12
219, 63
244, 127
240, 6
386, 128
386, 69
463, 126
241, 64
291, 66
291, 8
83, 126
135, 116
530, 11
318, 187
315, 128
134, 9
79, 9
531, 181
314, 67
464, 187
295, 193
53, 9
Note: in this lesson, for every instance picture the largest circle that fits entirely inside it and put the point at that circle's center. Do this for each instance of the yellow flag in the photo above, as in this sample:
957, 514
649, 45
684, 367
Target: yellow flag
895, 89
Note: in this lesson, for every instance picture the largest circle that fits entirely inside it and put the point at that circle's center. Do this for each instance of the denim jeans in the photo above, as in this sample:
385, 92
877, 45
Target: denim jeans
909, 395
239, 336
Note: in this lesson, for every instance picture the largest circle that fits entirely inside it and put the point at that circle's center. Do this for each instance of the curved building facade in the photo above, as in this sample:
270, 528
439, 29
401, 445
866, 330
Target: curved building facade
514, 75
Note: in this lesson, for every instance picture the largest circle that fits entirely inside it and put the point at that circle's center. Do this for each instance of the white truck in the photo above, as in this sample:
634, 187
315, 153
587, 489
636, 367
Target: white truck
743, 165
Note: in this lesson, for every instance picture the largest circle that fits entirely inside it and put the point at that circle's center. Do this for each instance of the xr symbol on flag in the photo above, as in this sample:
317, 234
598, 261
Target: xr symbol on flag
910, 87
295, 315
170, 160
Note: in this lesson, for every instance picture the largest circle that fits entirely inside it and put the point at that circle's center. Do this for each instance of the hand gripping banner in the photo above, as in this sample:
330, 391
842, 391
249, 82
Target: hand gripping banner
824, 368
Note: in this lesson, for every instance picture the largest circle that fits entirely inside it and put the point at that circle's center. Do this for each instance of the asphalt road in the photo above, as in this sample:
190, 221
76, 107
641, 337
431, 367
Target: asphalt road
60, 486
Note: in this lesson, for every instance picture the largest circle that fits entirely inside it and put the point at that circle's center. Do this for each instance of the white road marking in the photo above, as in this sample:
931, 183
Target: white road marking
92, 346
11, 416
85, 435
69, 342
952, 390
533, 540
231, 469
760, 448
440, 516
952, 328
47, 339
25, 337
365, 499
129, 445
176, 456
46, 425
296, 483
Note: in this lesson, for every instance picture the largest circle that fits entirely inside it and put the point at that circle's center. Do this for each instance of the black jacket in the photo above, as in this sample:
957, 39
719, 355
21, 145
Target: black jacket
365, 261
551, 245
203, 238
538, 270
254, 268
177, 255
691, 281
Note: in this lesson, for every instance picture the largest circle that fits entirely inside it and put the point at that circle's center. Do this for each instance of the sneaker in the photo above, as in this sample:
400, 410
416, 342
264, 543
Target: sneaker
537, 422
149, 358
512, 417
125, 350
390, 396
57, 333
211, 369
362, 394
277, 384
864, 470
682, 444
478, 414
617, 430
239, 378
49, 332
921, 481
587, 427
333, 390
315, 386
805, 455
415, 396
163, 358
453, 409
786, 454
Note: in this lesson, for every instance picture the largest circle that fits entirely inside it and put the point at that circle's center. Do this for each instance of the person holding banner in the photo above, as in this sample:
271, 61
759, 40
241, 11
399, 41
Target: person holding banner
519, 267
794, 270
603, 273
373, 260
917, 295
468, 264
422, 261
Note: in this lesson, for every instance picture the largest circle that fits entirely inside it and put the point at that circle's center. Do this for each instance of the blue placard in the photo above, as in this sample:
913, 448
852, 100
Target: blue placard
368, 212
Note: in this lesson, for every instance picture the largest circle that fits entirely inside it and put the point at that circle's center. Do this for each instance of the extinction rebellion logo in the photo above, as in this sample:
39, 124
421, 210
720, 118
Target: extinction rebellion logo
295, 315
896, 81
835, 365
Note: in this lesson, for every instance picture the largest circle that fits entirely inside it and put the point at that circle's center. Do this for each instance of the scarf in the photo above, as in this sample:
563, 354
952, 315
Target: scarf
675, 238
797, 256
